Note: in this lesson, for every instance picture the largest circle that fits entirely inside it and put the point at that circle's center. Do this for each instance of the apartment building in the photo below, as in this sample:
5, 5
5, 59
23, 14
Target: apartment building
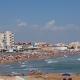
9, 39
2, 43
6, 40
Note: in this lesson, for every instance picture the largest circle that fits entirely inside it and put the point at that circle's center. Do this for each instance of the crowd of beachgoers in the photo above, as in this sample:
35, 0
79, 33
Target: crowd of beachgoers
33, 55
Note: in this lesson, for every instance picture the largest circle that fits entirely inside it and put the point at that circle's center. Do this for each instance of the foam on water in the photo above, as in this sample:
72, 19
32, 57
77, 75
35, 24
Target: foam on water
78, 59
22, 65
30, 69
25, 69
51, 61
14, 72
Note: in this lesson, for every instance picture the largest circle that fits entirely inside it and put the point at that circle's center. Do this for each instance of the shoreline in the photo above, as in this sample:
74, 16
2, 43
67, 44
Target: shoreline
20, 57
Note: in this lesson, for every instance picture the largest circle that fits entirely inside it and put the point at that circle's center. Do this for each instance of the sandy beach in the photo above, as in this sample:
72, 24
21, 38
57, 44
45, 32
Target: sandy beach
50, 76
54, 76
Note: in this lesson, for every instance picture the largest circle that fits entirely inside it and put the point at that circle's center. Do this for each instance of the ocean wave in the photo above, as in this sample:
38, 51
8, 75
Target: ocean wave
14, 72
30, 69
25, 69
23, 62
51, 61
78, 59
65, 56
23, 65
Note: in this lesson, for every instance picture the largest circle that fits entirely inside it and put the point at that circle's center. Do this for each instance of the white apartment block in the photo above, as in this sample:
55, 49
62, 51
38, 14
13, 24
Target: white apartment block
6, 40
2, 40
9, 39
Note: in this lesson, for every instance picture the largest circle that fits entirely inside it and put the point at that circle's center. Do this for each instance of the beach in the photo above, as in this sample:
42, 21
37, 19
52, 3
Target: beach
53, 76
50, 76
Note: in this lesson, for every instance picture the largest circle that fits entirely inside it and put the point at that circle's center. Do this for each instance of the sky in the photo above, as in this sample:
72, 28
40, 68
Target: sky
41, 20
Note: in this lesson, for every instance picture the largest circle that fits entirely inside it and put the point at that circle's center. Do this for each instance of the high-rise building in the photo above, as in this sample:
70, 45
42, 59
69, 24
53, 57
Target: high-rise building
9, 39
2, 41
6, 40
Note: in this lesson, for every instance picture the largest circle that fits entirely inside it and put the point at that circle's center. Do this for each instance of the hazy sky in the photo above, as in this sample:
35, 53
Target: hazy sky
41, 20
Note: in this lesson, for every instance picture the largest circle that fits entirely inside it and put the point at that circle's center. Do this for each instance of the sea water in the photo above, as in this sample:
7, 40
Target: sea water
64, 64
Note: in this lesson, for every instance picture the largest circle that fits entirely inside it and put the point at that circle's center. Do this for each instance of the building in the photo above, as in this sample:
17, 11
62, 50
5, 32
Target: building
20, 46
74, 45
6, 40
61, 48
2, 41
41, 44
60, 44
9, 39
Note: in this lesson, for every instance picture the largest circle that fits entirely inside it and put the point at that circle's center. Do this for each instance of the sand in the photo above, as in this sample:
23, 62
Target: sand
50, 76
11, 78
53, 76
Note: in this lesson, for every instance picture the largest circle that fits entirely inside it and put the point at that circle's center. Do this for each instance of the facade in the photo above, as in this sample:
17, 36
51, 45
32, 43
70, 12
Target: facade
60, 44
9, 39
41, 44
61, 48
2, 41
75, 45
6, 40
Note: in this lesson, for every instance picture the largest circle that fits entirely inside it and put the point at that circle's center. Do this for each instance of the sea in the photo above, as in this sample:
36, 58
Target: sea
65, 64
